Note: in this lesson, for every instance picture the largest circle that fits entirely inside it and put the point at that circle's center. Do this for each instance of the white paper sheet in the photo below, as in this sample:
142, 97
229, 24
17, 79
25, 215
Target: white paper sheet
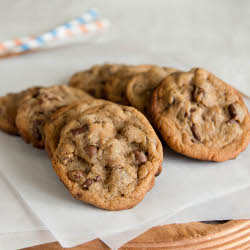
222, 208
16, 226
183, 182
14, 215
13, 241
181, 34
19, 226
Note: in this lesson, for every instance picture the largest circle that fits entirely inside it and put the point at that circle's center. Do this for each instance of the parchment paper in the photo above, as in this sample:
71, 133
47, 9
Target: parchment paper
14, 215
183, 182
222, 208
20, 227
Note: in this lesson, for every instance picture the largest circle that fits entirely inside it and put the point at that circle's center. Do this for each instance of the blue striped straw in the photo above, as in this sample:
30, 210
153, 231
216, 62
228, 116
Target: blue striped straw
28, 43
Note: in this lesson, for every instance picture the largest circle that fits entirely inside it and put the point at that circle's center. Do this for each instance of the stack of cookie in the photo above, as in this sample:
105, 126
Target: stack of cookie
106, 152
197, 114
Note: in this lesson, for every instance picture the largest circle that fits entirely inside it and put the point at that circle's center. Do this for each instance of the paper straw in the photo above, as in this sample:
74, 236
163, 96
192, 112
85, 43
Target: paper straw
27, 43
61, 34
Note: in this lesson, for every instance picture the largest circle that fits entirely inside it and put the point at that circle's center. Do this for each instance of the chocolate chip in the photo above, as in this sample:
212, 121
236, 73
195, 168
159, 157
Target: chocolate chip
140, 157
91, 150
78, 195
192, 110
81, 130
92, 92
36, 129
195, 133
232, 110
185, 114
87, 183
75, 175
98, 178
198, 94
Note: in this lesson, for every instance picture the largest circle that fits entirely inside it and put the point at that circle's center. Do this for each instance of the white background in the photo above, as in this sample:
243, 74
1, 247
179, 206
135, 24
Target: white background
212, 34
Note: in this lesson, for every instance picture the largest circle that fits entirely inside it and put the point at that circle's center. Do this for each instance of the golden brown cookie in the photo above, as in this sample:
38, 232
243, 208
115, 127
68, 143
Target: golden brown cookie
200, 116
93, 80
108, 157
8, 110
140, 87
115, 87
37, 108
54, 126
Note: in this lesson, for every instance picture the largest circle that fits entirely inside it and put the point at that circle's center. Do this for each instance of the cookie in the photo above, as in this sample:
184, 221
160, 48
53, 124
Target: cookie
115, 86
37, 108
93, 80
200, 116
54, 125
108, 157
8, 110
140, 87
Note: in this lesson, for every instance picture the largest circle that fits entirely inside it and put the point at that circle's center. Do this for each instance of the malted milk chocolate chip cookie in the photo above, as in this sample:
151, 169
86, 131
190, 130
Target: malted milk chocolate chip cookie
39, 106
115, 87
8, 110
140, 87
200, 116
54, 126
108, 157
93, 80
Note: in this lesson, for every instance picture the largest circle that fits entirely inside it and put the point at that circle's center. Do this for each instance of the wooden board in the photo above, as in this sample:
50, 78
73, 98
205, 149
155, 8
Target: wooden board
195, 235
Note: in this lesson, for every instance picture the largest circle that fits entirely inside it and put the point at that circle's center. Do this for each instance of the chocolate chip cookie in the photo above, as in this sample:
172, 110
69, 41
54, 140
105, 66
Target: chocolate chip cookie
200, 116
115, 87
37, 108
8, 110
108, 157
140, 87
54, 125
94, 79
